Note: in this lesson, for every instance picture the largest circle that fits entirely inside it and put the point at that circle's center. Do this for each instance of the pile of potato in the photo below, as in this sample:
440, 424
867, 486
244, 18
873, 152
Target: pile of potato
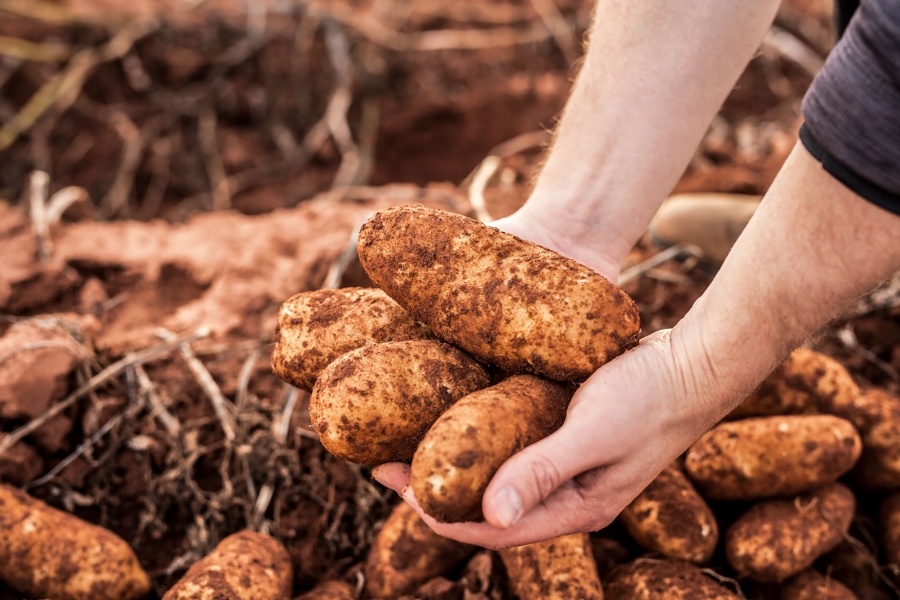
470, 351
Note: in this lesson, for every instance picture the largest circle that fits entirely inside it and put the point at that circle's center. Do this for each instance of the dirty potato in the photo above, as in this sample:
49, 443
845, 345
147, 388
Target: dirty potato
504, 300
858, 570
807, 382
666, 579
779, 538
243, 566
670, 517
558, 569
374, 404
20, 463
315, 328
407, 553
812, 585
331, 590
46, 553
464, 448
772, 456
876, 415
890, 527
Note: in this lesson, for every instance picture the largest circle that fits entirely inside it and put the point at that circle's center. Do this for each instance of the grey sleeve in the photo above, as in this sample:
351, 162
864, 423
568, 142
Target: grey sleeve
852, 110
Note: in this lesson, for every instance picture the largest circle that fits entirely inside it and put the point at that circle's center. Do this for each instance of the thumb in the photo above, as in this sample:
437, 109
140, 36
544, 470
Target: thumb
530, 476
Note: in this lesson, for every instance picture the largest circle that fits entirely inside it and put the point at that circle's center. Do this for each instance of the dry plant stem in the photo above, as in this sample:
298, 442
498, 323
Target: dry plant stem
218, 181
37, 201
169, 422
347, 256
60, 202
18, 48
794, 49
656, 260
282, 426
114, 370
336, 115
41, 10
134, 141
243, 381
62, 89
556, 23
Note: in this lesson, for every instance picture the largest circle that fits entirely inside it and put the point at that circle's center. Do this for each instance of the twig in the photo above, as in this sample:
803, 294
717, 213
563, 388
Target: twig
169, 422
161, 169
556, 23
483, 174
656, 260
37, 202
347, 255
794, 49
243, 381
218, 181
847, 337
114, 370
41, 10
60, 202
342, 98
134, 141
281, 427
18, 48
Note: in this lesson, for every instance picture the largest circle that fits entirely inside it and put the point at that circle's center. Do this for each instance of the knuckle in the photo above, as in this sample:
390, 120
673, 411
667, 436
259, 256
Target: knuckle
545, 475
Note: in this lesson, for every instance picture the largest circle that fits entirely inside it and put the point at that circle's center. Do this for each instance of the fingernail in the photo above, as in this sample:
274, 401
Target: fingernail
508, 506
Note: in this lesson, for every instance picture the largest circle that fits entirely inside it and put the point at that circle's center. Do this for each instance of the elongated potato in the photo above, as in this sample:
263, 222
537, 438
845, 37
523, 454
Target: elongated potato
807, 382
46, 553
407, 553
464, 448
670, 517
243, 566
772, 456
876, 414
504, 300
558, 569
315, 328
779, 538
812, 585
666, 579
331, 590
374, 404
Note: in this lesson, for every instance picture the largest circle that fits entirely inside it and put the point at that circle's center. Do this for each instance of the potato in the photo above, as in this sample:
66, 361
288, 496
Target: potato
46, 553
374, 404
890, 527
464, 448
407, 553
857, 568
609, 553
670, 517
807, 382
20, 464
243, 566
331, 590
315, 328
504, 300
772, 456
876, 415
779, 538
812, 585
558, 569
651, 579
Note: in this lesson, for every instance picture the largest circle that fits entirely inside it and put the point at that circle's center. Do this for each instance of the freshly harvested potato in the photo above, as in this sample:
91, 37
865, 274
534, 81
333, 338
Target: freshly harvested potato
331, 590
876, 415
47, 553
407, 553
315, 328
558, 569
890, 527
609, 553
812, 585
504, 300
464, 448
772, 456
779, 538
374, 404
670, 517
666, 579
243, 566
807, 382
20, 464
858, 569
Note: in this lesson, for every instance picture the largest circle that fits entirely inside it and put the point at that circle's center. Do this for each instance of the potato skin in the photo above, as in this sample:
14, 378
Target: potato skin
315, 328
876, 414
772, 456
331, 590
806, 382
47, 553
779, 538
890, 527
812, 585
504, 300
464, 448
670, 517
243, 566
666, 579
20, 464
407, 553
373, 405
558, 569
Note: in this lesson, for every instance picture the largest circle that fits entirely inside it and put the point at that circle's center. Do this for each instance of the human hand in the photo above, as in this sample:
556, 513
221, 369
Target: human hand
625, 424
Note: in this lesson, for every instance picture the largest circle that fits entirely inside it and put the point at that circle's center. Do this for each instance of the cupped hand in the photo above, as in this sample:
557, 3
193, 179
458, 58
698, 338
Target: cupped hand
627, 422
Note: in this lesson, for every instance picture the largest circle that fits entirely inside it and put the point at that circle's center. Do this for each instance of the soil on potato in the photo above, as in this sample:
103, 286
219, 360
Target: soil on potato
203, 112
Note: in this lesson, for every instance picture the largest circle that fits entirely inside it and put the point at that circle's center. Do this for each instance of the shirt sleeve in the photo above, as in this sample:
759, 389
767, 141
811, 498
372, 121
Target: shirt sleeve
852, 109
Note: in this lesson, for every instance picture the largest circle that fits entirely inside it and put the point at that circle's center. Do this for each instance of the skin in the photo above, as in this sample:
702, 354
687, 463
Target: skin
811, 248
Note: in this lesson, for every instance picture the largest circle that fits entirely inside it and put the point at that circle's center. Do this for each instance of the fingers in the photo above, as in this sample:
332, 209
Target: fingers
394, 475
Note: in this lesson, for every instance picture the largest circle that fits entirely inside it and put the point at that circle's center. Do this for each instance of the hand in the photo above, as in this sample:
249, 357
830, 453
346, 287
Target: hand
625, 424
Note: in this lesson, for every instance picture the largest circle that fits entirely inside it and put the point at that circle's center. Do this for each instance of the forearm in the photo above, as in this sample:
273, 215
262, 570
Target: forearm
812, 247
654, 75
